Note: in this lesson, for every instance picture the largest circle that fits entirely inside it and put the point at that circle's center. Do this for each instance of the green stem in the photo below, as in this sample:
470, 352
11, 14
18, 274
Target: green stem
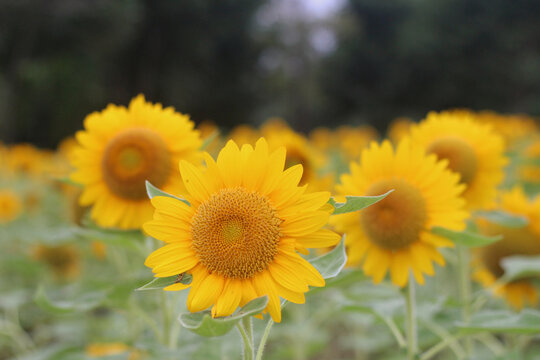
465, 291
246, 339
410, 300
264, 338
395, 331
438, 347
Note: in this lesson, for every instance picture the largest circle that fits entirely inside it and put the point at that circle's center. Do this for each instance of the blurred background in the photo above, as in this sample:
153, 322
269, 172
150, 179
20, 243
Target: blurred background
312, 62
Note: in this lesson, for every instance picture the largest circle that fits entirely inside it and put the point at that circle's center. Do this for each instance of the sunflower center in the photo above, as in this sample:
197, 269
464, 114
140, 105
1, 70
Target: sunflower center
397, 220
460, 155
133, 156
236, 233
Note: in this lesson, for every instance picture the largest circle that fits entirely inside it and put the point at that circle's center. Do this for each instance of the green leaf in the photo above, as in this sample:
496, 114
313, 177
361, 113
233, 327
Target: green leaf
203, 324
208, 140
153, 191
67, 180
503, 321
330, 264
82, 303
160, 283
519, 267
465, 238
355, 203
503, 218
124, 238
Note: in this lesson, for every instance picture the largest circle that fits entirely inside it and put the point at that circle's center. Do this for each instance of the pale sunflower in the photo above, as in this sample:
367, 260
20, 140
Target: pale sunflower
120, 149
63, 260
10, 206
473, 150
516, 241
394, 234
239, 237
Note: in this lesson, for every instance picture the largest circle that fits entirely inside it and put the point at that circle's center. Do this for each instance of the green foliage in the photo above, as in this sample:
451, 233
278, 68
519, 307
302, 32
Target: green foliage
503, 321
160, 283
203, 324
331, 263
154, 191
503, 218
82, 303
465, 238
520, 267
355, 203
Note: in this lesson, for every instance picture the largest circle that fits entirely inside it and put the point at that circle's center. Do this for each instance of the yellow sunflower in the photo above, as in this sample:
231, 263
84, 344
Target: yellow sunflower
10, 206
516, 241
394, 234
473, 150
120, 149
244, 134
514, 128
299, 151
399, 128
239, 237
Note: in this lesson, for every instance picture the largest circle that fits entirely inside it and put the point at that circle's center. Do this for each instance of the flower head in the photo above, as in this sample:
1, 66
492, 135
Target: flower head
473, 150
121, 148
240, 235
10, 206
394, 234
516, 241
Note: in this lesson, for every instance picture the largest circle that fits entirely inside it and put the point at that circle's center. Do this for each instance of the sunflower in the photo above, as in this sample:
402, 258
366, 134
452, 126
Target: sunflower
244, 134
394, 234
239, 237
516, 241
63, 260
120, 149
514, 128
399, 128
472, 149
10, 206
299, 151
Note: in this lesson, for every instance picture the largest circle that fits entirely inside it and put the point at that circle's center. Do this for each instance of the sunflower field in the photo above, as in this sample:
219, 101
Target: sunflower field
269, 180
145, 237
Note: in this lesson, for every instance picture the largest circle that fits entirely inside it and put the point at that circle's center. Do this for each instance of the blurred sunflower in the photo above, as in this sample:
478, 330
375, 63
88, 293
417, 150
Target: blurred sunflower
10, 206
514, 128
399, 128
394, 234
120, 149
353, 139
299, 151
244, 134
239, 237
106, 349
516, 241
26, 159
473, 150
63, 260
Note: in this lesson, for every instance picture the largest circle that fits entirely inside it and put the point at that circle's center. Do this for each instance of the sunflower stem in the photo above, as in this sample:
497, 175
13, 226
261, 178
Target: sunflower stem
410, 300
264, 338
465, 291
247, 338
